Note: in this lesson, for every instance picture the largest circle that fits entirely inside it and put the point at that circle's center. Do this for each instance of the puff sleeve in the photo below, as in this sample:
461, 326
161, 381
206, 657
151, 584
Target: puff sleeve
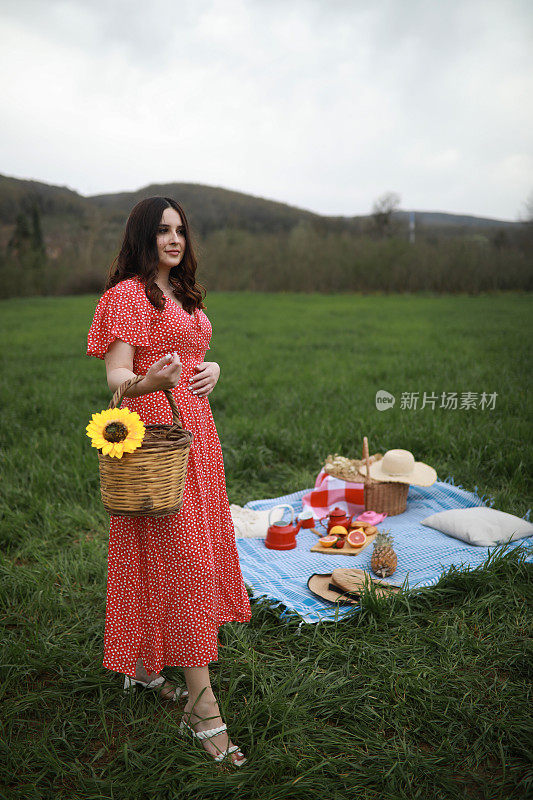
123, 312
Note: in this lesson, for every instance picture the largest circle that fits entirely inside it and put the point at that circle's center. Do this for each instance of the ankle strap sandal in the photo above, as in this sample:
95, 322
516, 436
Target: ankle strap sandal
130, 683
238, 762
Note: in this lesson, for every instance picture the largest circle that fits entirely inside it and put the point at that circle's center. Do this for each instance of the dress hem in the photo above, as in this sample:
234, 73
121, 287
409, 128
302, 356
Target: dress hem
157, 668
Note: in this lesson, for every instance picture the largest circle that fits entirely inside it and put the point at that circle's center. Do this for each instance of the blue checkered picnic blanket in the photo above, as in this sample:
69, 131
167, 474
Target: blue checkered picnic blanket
423, 553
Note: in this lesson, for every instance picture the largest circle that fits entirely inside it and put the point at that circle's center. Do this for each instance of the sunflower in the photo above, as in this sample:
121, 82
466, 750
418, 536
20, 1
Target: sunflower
116, 431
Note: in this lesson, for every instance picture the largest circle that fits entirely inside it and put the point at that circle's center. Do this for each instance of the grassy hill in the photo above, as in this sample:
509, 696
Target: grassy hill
210, 208
54, 240
18, 196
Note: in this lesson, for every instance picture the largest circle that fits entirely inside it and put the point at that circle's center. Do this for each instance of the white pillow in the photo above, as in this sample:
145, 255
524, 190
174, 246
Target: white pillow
250, 524
480, 525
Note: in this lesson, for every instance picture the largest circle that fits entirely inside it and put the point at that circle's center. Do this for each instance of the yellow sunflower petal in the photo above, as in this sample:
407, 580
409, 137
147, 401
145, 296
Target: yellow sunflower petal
96, 420
136, 433
133, 425
109, 415
130, 445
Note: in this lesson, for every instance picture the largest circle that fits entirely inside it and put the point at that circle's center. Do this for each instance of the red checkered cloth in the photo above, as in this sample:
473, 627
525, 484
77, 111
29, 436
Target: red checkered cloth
330, 493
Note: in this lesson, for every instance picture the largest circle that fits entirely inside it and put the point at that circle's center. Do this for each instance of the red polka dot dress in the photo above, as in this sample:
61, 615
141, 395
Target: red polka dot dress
172, 581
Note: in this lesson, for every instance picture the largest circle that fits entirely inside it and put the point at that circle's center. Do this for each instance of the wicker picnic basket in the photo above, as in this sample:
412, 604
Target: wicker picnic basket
385, 498
150, 481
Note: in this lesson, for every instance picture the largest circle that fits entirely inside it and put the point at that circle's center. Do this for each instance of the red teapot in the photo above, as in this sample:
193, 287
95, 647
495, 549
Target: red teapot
281, 536
338, 517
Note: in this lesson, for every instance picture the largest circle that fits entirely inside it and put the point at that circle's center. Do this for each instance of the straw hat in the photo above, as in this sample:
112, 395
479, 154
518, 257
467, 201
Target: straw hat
399, 466
345, 585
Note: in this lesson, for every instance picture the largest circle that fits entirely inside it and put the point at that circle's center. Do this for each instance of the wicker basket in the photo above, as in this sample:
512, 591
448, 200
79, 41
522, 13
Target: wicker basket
150, 481
385, 498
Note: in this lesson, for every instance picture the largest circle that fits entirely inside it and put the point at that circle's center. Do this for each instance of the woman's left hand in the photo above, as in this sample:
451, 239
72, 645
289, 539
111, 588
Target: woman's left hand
207, 375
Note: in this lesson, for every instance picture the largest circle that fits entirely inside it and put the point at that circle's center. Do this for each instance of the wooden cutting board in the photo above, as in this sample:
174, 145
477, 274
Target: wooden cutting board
347, 550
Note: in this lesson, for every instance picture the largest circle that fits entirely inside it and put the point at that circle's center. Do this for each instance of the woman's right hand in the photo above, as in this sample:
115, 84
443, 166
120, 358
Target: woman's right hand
164, 374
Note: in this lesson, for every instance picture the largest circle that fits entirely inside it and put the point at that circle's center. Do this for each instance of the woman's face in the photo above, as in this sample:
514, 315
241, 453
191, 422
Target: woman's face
171, 241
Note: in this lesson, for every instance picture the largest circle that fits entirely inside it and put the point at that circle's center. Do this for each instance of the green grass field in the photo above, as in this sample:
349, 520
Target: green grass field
421, 696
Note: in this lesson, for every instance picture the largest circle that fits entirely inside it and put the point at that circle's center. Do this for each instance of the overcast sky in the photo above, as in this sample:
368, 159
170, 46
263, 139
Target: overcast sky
323, 104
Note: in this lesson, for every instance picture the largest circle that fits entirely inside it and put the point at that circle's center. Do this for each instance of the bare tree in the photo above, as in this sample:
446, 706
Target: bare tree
529, 209
526, 228
382, 211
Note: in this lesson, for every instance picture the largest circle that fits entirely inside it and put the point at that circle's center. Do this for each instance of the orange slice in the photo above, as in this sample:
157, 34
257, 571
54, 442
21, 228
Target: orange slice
356, 538
338, 530
327, 541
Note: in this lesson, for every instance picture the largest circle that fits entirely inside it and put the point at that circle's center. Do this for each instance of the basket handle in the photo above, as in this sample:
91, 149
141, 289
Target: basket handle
367, 460
120, 393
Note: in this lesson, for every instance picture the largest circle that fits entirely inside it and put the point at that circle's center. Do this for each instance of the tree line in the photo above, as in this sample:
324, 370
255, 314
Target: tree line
307, 257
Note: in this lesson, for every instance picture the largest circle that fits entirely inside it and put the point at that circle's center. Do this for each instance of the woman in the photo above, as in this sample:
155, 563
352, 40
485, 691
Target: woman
172, 581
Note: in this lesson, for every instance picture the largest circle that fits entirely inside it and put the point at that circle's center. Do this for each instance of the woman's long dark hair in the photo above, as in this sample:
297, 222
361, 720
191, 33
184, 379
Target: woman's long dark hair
138, 256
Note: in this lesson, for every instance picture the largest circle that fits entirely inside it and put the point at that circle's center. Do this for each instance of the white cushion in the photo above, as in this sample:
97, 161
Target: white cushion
480, 525
251, 524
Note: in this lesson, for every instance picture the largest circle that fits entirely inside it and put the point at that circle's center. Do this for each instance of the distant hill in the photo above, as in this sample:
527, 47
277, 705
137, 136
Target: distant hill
439, 219
18, 196
208, 207
54, 240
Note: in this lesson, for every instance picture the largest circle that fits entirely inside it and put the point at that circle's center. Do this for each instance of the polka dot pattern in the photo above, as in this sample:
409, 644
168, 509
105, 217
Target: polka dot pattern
172, 581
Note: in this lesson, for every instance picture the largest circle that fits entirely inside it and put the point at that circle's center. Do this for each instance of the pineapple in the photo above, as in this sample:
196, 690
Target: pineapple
384, 560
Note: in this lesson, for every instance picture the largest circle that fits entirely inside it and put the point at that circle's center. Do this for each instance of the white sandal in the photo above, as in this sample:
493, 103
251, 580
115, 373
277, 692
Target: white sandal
184, 726
130, 683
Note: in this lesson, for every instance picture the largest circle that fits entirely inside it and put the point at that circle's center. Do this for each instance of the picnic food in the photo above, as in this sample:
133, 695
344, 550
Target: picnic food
343, 546
338, 530
328, 541
356, 538
384, 560
359, 523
